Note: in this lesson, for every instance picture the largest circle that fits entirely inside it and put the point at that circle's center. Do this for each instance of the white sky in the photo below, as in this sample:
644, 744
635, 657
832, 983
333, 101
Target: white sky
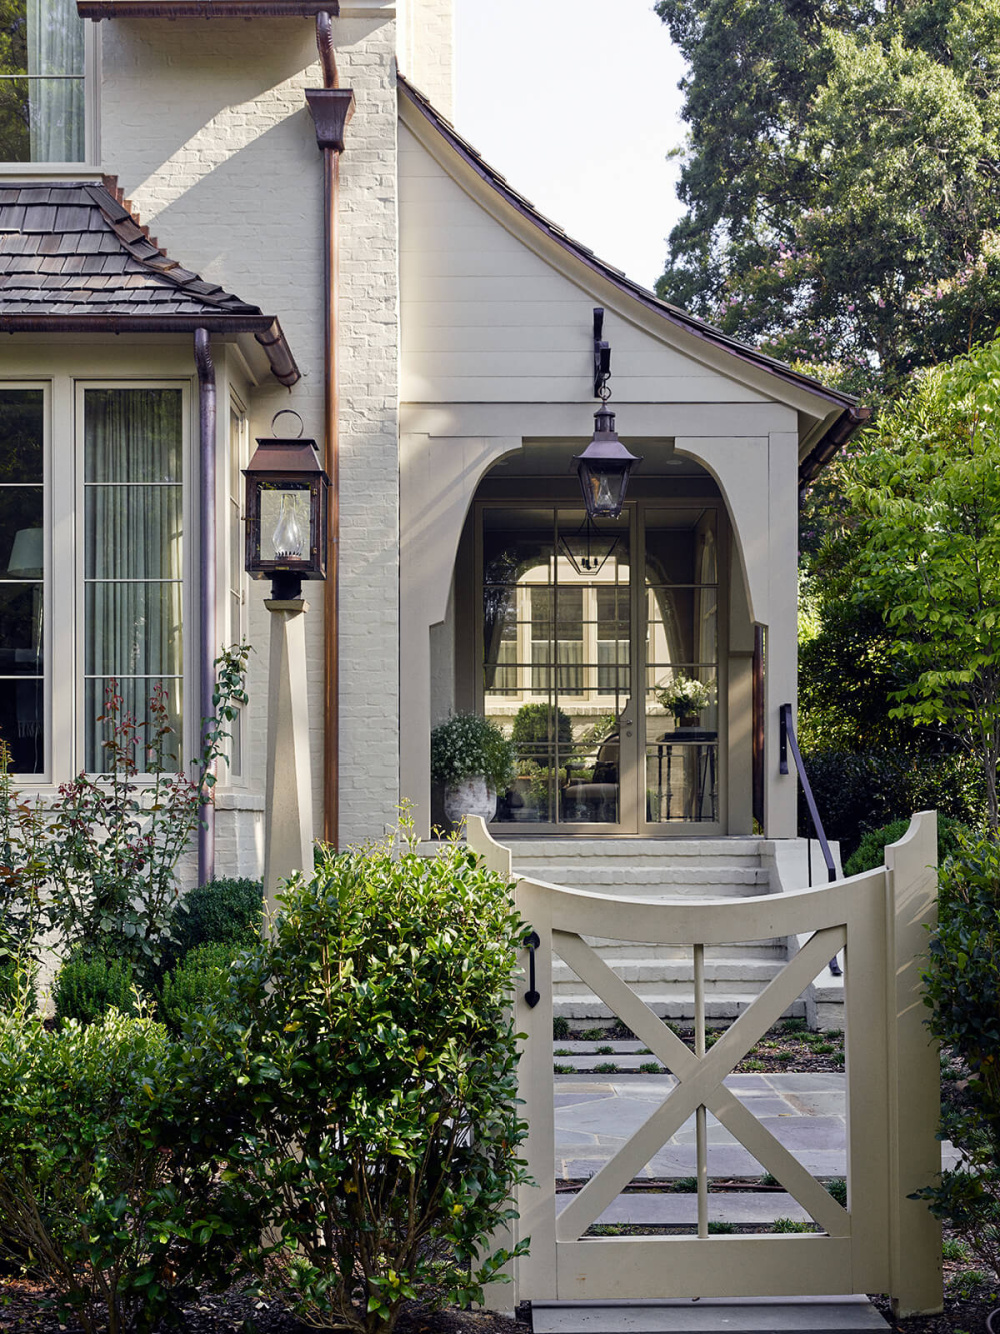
576, 103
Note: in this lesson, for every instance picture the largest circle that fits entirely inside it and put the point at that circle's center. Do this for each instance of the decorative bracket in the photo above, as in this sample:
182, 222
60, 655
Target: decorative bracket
531, 943
602, 354
784, 714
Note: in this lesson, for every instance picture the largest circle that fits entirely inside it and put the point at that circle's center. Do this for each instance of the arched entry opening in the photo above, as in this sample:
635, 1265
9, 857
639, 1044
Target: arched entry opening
614, 659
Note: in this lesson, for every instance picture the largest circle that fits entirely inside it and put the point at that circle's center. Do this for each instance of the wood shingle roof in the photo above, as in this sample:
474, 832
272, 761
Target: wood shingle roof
74, 259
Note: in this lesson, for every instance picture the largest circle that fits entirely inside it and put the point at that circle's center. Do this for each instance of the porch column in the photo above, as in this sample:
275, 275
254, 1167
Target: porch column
758, 478
438, 479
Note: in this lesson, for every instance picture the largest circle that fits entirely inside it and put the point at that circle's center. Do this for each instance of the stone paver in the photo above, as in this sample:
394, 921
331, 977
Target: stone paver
805, 1112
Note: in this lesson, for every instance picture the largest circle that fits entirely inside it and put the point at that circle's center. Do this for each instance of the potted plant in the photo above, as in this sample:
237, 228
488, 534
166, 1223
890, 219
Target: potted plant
473, 761
685, 697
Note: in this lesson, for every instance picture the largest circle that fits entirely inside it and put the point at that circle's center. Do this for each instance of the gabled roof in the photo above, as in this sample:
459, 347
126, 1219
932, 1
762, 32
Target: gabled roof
74, 259
843, 414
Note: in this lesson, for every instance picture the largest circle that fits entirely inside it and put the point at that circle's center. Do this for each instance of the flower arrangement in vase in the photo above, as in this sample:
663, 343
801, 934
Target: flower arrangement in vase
685, 697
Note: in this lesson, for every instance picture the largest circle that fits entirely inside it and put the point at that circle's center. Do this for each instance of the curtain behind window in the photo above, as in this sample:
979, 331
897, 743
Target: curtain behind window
133, 565
55, 83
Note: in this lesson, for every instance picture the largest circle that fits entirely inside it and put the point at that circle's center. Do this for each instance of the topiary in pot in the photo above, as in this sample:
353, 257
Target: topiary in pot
473, 760
382, 1085
536, 728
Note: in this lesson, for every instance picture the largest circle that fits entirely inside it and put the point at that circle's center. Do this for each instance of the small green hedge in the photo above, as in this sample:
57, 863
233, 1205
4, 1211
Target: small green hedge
203, 977
871, 850
221, 912
87, 986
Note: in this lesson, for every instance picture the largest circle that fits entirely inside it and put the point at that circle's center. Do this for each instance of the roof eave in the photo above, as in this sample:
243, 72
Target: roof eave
266, 330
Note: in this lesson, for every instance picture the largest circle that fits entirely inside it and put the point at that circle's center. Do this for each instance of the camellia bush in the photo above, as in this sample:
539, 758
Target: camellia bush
110, 1187
963, 992
382, 1132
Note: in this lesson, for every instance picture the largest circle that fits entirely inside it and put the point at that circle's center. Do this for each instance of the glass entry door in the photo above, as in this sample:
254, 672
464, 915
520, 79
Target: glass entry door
607, 683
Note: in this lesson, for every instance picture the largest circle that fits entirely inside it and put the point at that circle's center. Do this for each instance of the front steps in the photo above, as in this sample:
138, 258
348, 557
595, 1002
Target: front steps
665, 870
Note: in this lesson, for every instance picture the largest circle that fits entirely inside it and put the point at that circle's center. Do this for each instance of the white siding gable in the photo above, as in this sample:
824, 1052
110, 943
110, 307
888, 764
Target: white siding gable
487, 319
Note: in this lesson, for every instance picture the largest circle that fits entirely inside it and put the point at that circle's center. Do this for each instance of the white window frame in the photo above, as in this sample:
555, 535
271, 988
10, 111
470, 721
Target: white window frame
188, 740
234, 491
91, 119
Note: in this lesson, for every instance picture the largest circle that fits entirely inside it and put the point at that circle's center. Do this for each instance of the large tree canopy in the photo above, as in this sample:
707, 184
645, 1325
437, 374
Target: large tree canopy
842, 178
926, 488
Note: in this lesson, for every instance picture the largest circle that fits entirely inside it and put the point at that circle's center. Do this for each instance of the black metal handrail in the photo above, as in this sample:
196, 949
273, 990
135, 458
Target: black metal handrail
787, 743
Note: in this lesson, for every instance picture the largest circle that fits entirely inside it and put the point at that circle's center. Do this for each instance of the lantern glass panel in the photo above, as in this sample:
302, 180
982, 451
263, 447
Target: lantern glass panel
284, 521
603, 489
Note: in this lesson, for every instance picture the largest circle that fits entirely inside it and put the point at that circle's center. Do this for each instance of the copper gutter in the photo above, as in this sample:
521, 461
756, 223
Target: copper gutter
207, 591
331, 107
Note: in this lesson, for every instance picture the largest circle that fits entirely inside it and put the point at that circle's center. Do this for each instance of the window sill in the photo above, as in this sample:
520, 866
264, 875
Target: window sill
48, 170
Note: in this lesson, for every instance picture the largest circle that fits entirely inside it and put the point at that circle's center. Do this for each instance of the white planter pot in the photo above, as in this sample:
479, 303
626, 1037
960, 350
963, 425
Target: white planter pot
471, 797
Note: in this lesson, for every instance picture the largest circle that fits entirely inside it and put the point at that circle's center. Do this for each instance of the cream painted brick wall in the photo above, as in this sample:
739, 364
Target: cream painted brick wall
427, 49
205, 124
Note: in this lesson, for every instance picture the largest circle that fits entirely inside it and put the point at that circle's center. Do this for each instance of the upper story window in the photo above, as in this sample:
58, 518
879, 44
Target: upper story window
42, 82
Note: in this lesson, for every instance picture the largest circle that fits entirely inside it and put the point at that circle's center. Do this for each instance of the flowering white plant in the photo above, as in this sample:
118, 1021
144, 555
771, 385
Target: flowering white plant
467, 746
685, 694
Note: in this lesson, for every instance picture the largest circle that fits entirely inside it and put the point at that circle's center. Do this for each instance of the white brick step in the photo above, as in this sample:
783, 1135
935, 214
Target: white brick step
624, 949
678, 1005
638, 971
721, 852
709, 879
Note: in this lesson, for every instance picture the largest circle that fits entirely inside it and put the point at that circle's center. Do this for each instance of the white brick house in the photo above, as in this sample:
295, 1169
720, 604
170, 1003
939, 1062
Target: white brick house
463, 357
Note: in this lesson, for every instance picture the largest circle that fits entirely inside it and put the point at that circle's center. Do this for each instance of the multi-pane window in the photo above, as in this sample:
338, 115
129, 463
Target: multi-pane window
133, 555
22, 577
42, 82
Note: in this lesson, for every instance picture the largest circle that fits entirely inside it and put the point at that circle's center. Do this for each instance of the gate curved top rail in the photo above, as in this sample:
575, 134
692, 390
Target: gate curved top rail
707, 921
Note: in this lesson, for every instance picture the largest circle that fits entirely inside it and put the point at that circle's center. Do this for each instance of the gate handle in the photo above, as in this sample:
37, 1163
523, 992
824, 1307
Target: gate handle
531, 943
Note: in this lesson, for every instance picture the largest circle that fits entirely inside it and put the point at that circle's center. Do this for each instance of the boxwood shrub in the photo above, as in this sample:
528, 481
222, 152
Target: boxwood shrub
88, 985
381, 1097
870, 852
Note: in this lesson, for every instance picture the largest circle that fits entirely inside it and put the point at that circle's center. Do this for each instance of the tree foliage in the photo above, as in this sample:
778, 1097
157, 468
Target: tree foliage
841, 179
927, 489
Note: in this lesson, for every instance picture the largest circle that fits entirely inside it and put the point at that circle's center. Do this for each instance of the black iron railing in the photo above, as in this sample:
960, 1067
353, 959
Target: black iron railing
788, 743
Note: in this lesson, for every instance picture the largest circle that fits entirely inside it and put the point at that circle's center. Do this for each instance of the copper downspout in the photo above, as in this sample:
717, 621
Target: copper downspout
207, 578
331, 107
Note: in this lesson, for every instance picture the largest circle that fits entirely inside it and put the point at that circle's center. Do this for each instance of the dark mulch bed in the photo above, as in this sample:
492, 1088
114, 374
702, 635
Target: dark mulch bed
960, 1316
21, 1311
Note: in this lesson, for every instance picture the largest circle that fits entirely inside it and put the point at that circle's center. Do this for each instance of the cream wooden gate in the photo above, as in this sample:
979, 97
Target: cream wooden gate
883, 1241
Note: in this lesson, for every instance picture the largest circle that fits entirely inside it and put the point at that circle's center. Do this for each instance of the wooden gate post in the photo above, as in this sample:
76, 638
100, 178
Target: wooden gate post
914, 1072
498, 1296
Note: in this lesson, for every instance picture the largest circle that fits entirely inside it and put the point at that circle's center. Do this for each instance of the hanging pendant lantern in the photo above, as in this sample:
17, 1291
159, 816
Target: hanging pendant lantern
604, 468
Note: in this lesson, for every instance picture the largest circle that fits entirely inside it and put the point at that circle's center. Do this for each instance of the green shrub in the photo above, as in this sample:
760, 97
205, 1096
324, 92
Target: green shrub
720, 1226
790, 1225
87, 986
384, 1132
859, 793
605, 1068
221, 912
837, 1186
870, 851
651, 1068
107, 1190
536, 729
560, 1027
203, 977
963, 992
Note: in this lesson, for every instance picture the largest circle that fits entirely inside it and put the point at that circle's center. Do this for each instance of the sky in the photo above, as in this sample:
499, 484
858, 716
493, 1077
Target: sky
576, 103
